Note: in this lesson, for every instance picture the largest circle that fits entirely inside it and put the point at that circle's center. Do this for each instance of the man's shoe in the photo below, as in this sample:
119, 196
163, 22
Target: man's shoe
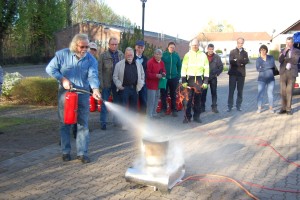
228, 110
289, 112
258, 110
198, 120
174, 114
238, 109
215, 110
282, 112
84, 159
186, 120
103, 127
66, 157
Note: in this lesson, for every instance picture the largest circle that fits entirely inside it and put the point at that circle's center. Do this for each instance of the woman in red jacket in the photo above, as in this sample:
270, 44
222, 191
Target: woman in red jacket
155, 71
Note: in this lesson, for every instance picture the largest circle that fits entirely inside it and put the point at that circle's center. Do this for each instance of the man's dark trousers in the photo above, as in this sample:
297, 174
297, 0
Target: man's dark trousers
236, 82
172, 86
213, 90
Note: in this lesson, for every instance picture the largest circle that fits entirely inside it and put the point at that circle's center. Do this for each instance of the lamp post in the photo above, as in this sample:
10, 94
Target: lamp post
143, 20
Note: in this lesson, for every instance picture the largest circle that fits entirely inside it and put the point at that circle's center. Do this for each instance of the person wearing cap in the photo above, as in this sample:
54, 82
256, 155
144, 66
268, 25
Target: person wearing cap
173, 74
142, 59
93, 49
106, 65
194, 75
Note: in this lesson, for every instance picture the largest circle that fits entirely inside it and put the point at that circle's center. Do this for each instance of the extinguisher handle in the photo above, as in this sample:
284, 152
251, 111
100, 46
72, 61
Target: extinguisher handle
80, 90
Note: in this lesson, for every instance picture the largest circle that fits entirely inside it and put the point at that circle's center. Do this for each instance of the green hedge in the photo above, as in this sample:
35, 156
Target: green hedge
36, 91
274, 53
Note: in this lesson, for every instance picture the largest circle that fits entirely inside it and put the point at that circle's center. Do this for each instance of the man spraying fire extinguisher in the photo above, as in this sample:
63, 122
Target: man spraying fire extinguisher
75, 67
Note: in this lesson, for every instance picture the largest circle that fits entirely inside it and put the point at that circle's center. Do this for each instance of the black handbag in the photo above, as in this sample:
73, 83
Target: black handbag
275, 71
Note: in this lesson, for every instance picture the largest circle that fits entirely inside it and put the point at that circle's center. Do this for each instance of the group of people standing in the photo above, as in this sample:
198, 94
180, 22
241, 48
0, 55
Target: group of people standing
131, 77
288, 71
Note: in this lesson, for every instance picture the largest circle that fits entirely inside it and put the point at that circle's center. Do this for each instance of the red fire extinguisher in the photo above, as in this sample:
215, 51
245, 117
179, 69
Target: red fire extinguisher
168, 112
92, 104
159, 105
179, 105
99, 105
71, 107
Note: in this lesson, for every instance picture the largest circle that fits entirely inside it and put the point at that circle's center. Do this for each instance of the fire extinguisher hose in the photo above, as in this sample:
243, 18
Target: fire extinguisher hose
80, 90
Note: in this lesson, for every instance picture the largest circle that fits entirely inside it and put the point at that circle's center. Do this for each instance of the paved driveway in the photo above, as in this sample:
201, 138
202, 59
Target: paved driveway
259, 151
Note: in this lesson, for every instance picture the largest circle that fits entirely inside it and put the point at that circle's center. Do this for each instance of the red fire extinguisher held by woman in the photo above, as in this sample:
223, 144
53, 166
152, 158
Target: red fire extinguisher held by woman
71, 107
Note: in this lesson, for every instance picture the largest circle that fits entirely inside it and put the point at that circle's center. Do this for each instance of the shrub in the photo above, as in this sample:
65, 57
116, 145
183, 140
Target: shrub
219, 51
10, 80
36, 90
274, 53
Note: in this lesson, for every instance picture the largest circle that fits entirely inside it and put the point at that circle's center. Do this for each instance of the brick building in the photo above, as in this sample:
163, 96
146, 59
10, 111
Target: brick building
100, 34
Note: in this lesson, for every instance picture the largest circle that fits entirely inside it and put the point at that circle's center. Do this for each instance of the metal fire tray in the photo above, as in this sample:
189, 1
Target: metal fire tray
157, 177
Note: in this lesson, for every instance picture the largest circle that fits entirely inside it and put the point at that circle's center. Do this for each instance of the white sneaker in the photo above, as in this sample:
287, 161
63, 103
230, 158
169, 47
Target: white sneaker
258, 111
271, 111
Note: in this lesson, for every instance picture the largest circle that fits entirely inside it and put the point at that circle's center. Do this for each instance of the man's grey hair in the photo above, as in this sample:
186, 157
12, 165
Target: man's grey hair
157, 51
290, 38
129, 49
76, 38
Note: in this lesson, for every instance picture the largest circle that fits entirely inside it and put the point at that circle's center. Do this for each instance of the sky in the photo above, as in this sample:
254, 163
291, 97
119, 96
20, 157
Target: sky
187, 18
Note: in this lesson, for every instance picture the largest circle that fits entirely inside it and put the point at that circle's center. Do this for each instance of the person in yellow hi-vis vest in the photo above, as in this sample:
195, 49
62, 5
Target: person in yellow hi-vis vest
194, 75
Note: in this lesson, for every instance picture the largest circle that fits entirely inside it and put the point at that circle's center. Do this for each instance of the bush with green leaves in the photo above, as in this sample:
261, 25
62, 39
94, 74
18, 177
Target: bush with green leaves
36, 91
10, 80
274, 53
219, 51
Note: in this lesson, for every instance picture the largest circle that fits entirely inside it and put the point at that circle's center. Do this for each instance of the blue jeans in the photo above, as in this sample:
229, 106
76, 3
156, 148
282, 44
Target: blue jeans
103, 114
83, 137
261, 91
143, 99
129, 97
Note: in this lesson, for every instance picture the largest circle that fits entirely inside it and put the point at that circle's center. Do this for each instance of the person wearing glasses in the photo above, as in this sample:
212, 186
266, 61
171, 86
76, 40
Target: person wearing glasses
238, 58
106, 65
75, 67
288, 72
